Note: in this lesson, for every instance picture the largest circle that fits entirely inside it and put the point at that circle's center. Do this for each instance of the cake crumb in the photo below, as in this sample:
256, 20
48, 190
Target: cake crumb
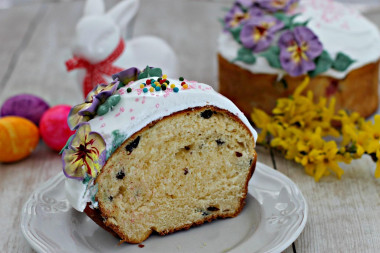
141, 245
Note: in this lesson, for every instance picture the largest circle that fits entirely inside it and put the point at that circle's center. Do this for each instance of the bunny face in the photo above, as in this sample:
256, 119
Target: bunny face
96, 38
98, 32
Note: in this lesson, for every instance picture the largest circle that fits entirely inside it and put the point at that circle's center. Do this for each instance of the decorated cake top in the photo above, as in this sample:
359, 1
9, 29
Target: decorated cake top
114, 112
298, 37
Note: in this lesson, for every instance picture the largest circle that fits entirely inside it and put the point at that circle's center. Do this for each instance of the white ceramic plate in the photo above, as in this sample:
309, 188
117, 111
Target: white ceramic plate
274, 216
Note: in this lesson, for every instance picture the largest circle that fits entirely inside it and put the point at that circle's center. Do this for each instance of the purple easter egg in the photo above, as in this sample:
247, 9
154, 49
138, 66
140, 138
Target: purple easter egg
25, 105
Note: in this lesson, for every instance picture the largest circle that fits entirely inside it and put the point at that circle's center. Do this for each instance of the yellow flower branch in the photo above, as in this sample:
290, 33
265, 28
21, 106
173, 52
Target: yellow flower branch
298, 127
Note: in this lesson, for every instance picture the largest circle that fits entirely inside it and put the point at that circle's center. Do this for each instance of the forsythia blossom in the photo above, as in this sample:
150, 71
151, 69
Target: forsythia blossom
299, 127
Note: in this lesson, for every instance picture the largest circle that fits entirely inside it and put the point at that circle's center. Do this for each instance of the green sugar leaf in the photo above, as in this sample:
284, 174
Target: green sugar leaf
114, 99
281, 16
155, 72
236, 33
287, 20
301, 23
117, 140
272, 55
342, 62
291, 18
86, 179
245, 55
103, 109
143, 75
67, 144
322, 64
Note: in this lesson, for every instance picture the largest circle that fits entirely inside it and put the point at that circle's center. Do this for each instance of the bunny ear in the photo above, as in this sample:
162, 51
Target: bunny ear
124, 12
94, 7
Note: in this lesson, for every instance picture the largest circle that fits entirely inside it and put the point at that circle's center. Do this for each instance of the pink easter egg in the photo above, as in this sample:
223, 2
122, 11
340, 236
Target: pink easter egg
53, 127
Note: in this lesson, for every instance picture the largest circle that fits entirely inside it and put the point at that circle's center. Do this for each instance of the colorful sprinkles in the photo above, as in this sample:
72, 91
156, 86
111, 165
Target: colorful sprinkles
161, 84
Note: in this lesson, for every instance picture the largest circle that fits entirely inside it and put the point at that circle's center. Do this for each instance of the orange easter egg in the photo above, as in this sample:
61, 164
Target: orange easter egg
18, 138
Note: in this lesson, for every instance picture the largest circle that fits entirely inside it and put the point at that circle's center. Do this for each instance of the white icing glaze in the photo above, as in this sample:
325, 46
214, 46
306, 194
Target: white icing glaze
76, 194
339, 28
137, 109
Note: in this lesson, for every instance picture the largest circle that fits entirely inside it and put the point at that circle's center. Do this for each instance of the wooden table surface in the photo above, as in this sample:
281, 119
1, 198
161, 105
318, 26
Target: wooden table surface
35, 37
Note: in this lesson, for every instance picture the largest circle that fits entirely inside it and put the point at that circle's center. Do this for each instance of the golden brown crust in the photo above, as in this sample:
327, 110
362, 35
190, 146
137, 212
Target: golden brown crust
100, 215
248, 90
96, 216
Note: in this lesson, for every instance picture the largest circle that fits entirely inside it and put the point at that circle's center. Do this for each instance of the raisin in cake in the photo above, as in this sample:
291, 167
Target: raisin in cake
157, 154
267, 48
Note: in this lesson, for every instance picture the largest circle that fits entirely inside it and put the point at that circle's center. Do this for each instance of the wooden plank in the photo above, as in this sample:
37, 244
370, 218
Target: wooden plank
343, 214
13, 40
263, 156
17, 182
39, 70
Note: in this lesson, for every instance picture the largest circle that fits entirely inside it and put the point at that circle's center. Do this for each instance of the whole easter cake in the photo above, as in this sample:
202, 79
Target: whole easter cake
157, 154
268, 46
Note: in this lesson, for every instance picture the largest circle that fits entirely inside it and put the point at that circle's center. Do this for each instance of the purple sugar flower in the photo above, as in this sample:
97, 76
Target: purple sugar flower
127, 75
258, 32
245, 3
85, 154
276, 5
236, 15
298, 49
87, 110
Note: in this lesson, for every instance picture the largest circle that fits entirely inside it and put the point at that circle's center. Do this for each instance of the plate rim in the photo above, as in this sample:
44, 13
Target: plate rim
295, 188
40, 245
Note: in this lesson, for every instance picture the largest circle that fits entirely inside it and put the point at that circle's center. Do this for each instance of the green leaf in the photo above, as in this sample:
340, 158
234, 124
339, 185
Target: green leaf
322, 64
301, 23
155, 72
103, 109
148, 72
236, 33
287, 20
67, 144
291, 18
281, 16
117, 140
342, 62
245, 55
86, 179
272, 54
143, 75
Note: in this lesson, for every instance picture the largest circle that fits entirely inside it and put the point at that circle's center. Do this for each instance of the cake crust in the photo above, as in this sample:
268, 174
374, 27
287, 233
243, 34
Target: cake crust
248, 90
100, 216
